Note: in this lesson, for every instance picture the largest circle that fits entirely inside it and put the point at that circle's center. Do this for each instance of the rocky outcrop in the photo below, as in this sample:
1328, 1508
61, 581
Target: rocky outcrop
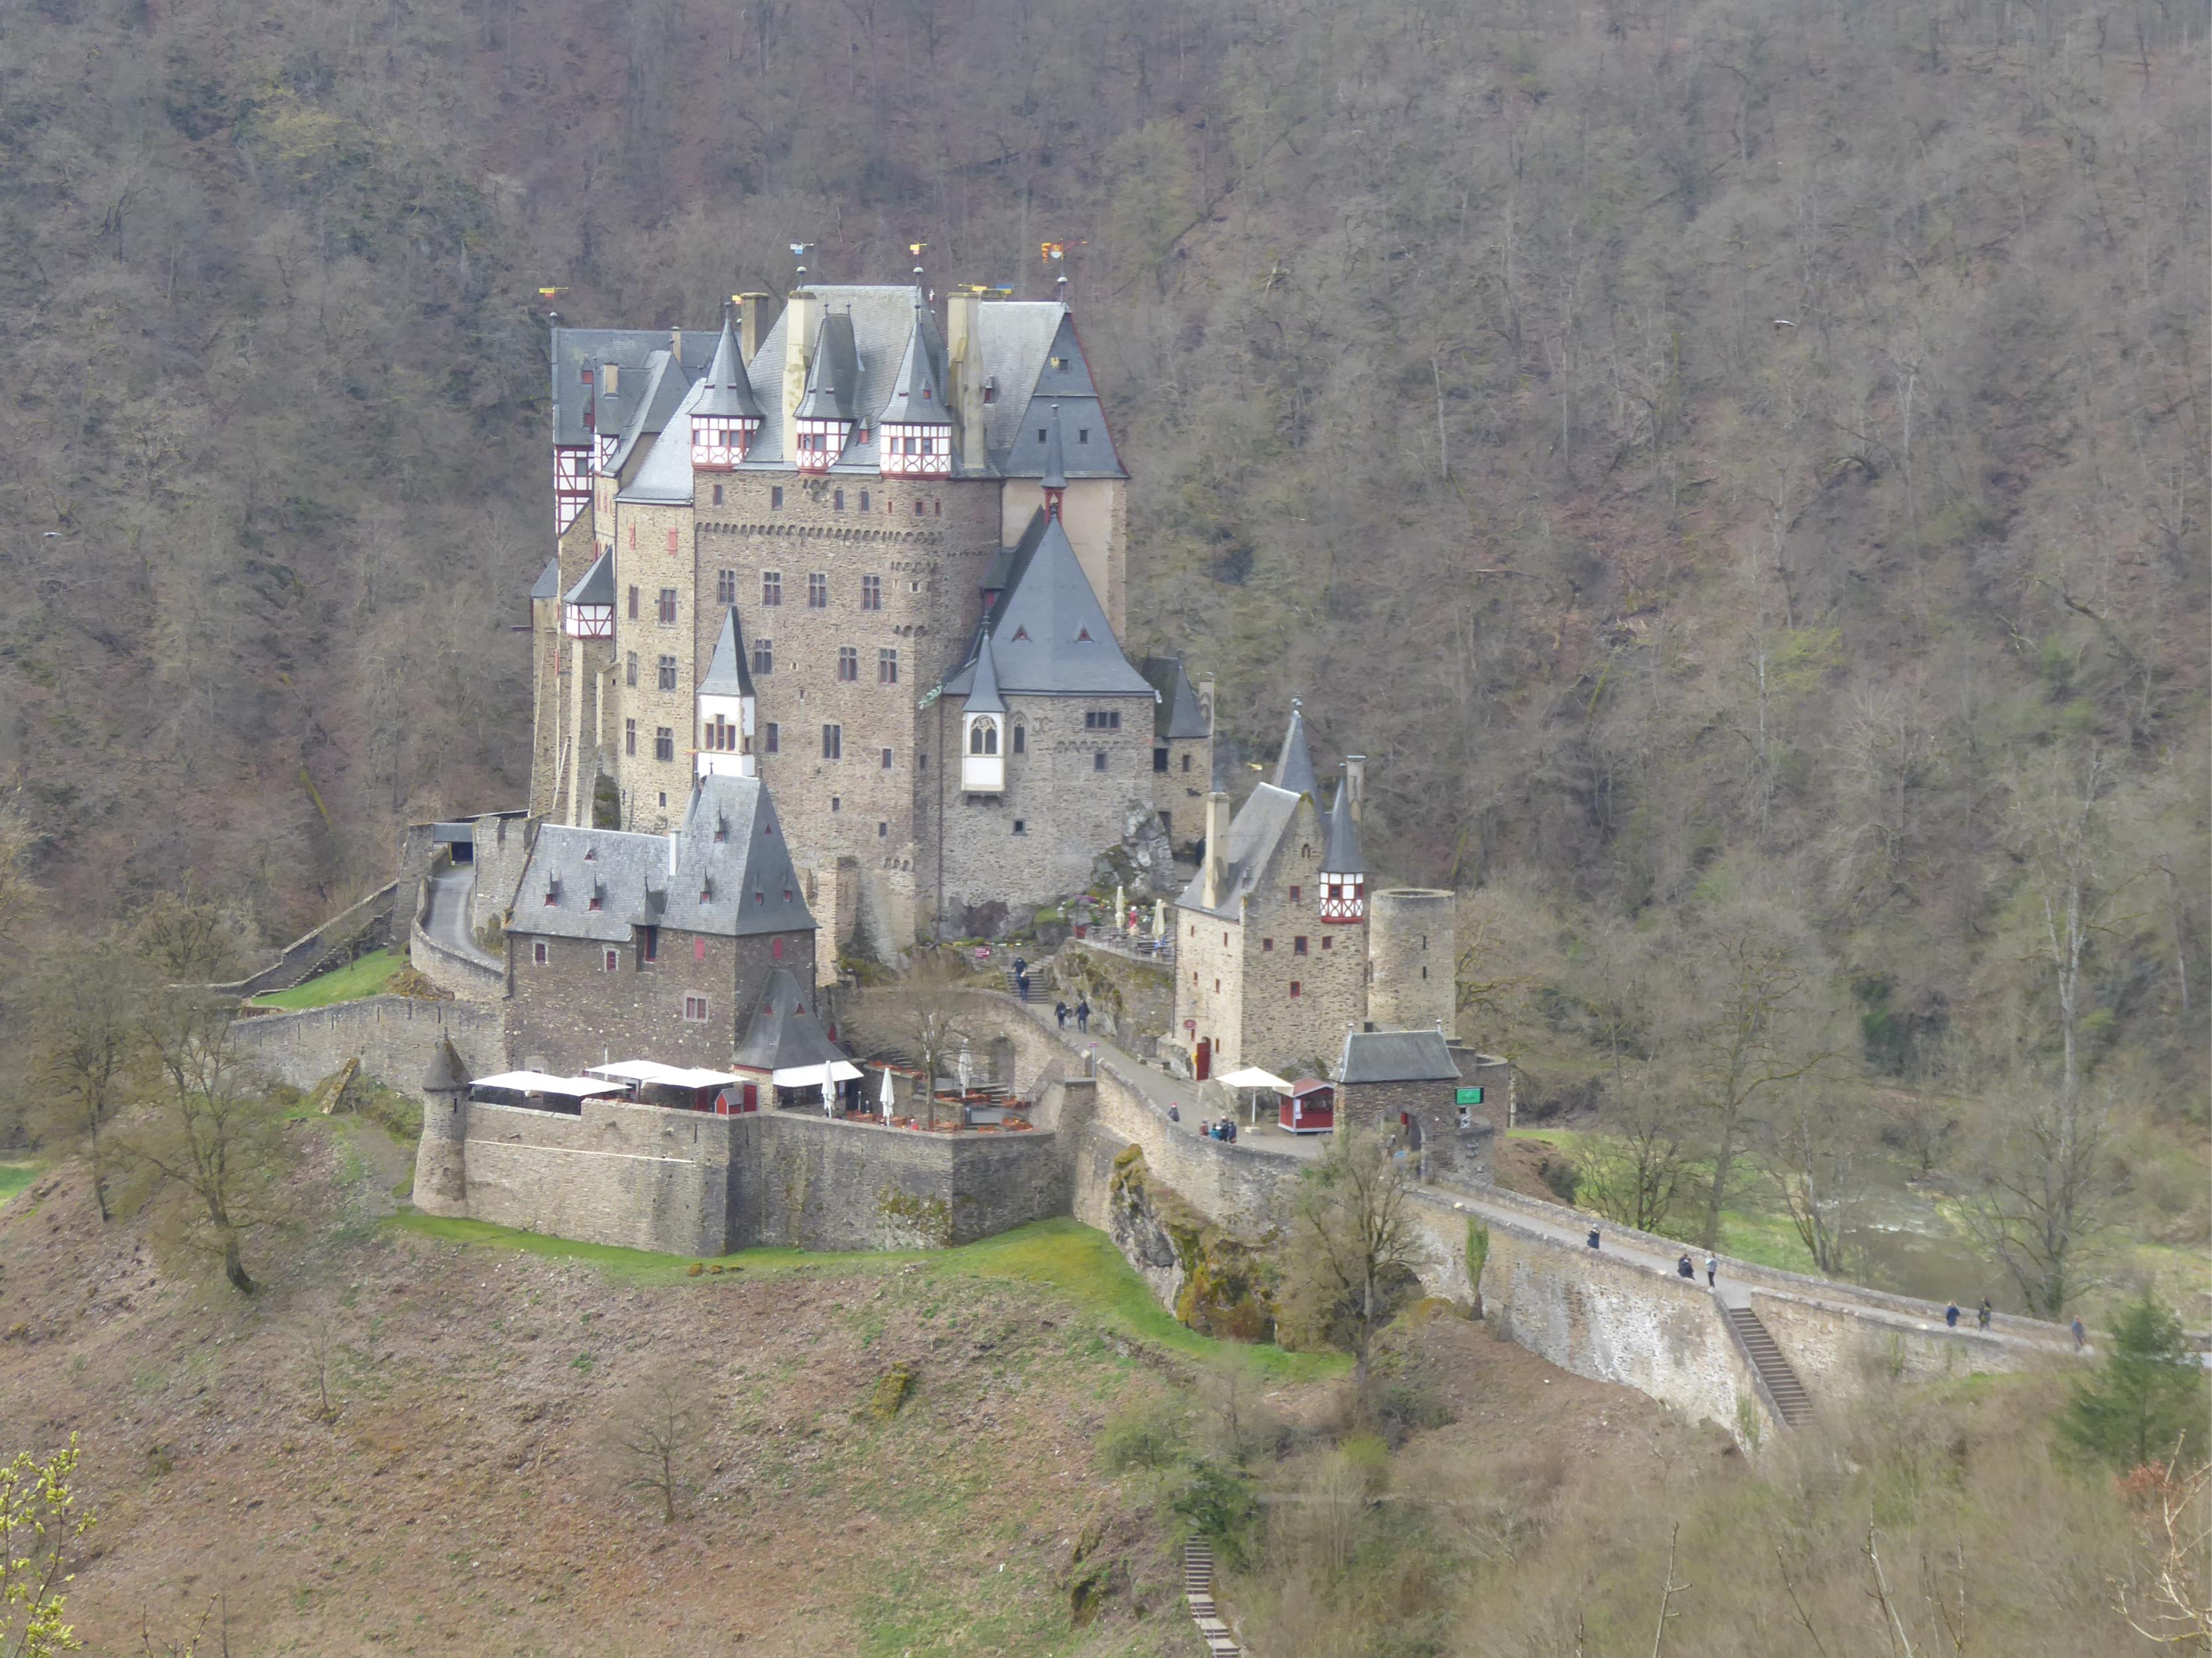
1217, 1284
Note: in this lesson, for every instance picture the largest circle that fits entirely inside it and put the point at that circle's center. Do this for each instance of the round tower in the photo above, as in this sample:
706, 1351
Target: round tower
440, 1168
1413, 958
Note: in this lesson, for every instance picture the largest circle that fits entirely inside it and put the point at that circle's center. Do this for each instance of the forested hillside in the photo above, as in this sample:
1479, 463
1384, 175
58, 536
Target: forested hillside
1736, 467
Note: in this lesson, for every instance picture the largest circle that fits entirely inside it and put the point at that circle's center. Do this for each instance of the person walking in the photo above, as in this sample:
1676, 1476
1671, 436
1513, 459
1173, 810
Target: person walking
1712, 1272
1022, 983
1683, 1269
1230, 1124
1982, 1314
1593, 1237
1175, 1114
1951, 1315
1059, 1012
1083, 1015
2081, 1335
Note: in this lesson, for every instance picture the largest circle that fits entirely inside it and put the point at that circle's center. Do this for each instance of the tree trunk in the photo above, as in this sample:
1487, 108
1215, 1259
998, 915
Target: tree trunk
233, 1268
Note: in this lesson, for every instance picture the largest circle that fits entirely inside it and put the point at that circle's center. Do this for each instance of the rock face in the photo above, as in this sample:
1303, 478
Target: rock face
1216, 1284
1142, 862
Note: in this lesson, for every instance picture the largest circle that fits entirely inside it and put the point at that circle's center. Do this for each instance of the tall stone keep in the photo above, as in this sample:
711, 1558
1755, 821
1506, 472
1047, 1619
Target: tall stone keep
1413, 956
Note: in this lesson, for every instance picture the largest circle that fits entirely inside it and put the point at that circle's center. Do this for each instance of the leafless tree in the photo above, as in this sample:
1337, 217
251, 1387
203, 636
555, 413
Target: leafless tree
655, 1433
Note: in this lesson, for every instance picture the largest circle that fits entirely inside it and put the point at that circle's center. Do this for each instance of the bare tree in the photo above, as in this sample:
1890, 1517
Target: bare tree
656, 1433
2043, 1185
1351, 1245
1814, 1147
89, 1037
1639, 1170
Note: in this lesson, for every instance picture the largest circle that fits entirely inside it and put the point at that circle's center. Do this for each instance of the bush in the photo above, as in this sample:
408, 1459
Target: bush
1150, 1435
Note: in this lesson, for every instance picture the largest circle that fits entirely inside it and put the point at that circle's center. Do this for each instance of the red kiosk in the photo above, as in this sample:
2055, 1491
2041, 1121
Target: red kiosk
1309, 1108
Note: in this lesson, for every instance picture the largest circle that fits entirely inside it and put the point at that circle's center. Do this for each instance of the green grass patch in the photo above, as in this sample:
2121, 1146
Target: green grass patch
1075, 1263
15, 1176
365, 975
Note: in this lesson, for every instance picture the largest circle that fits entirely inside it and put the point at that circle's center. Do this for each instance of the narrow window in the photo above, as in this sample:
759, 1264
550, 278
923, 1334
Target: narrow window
1021, 740
663, 743
725, 586
648, 944
883, 831
698, 950
771, 586
1266, 944
773, 739
629, 731
887, 759
632, 537
1328, 942
833, 745
836, 501
836, 803
775, 497
1159, 759
718, 494
863, 501
1294, 894
887, 667
1021, 827
668, 607
1098, 760
817, 591
1298, 946
775, 949
1296, 989
871, 593
849, 664
763, 657
614, 961
538, 952
672, 539
633, 603
666, 677
630, 668
1186, 762
1083, 434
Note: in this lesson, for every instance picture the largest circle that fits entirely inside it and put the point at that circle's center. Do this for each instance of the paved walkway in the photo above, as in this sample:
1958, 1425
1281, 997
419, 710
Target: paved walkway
446, 918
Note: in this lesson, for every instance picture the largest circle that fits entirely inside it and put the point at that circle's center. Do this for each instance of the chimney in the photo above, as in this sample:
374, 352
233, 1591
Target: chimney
610, 378
964, 356
675, 844
1205, 699
676, 345
802, 320
1217, 834
752, 323
1355, 784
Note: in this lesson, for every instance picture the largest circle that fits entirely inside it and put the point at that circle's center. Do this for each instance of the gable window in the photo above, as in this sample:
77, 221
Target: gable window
871, 592
763, 657
666, 677
648, 944
629, 735
833, 741
887, 667
630, 668
725, 586
817, 591
695, 1009
849, 664
538, 952
772, 737
771, 586
663, 743
668, 607
1098, 760
633, 603
1298, 946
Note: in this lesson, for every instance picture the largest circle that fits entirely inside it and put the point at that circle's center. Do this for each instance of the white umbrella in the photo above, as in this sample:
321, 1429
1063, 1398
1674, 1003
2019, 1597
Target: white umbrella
887, 1094
827, 1109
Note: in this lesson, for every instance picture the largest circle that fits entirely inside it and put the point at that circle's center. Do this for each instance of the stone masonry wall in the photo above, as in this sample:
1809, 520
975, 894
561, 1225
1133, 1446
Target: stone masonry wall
391, 1036
820, 1184
502, 851
1209, 1003
655, 791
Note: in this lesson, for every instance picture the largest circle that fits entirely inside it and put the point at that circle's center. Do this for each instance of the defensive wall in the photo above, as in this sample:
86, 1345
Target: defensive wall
463, 975
364, 923
393, 1036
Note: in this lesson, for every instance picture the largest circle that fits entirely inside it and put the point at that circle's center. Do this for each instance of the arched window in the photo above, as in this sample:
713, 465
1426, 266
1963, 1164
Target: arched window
1021, 740
983, 737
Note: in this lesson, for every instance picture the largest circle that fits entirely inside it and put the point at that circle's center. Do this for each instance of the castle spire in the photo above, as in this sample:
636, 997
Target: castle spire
1294, 768
1055, 467
724, 415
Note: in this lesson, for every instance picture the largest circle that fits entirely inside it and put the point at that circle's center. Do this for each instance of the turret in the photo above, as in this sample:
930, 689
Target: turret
1054, 479
1294, 767
726, 707
824, 421
1343, 866
441, 1159
725, 416
587, 609
982, 729
915, 439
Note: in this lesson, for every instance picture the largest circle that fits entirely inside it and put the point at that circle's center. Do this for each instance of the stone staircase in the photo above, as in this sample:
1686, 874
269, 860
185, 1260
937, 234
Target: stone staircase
1198, 1590
1783, 1386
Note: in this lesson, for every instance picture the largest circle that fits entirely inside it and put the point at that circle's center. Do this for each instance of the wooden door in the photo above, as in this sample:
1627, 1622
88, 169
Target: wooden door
1203, 1068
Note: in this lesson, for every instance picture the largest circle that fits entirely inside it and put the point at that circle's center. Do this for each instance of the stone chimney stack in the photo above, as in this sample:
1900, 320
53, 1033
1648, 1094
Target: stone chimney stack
1216, 869
801, 322
752, 323
676, 345
963, 354
1355, 785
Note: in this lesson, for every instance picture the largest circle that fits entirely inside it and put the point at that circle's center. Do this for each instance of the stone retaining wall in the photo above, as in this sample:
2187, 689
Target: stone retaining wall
391, 1036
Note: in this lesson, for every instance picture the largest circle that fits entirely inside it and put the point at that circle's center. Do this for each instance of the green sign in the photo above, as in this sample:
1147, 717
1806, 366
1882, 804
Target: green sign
1469, 1096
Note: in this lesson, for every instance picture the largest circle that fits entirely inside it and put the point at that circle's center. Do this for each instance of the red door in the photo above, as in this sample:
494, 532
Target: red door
751, 1097
1204, 1065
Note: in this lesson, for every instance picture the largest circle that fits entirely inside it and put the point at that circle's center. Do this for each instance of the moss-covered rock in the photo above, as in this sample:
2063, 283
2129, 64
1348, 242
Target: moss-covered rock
1213, 1281
891, 1393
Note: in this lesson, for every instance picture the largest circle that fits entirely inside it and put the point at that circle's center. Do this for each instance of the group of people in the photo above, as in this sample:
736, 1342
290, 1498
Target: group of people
1981, 1315
1080, 1013
1684, 1269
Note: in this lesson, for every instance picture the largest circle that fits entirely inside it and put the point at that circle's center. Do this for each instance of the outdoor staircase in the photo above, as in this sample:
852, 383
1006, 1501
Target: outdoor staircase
1013, 986
1783, 1386
1198, 1589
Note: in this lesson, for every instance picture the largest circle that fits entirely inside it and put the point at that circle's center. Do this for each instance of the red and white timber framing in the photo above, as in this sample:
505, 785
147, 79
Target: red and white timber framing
914, 452
572, 486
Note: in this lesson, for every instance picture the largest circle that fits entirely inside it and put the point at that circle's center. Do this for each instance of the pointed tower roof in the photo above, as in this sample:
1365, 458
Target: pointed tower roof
548, 585
728, 391
833, 379
446, 1074
728, 674
983, 693
918, 391
1048, 635
1294, 770
598, 586
1055, 455
785, 1031
1343, 856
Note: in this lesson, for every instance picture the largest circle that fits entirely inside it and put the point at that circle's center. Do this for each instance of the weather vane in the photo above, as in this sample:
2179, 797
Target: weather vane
799, 251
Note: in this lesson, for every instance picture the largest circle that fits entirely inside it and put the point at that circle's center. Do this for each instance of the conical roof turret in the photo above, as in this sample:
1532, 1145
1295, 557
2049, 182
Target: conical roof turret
1294, 768
1055, 455
728, 674
1343, 856
727, 393
983, 696
918, 392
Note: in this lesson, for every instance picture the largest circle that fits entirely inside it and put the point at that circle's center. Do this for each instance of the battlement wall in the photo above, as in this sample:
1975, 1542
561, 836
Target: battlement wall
391, 1036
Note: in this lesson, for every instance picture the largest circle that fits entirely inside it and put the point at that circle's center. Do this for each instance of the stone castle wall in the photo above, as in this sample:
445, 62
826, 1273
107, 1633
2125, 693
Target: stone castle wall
502, 851
1414, 960
391, 1036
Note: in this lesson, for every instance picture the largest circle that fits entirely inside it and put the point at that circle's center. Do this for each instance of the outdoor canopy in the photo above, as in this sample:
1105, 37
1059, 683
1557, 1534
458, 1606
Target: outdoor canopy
810, 1076
665, 1076
1253, 1077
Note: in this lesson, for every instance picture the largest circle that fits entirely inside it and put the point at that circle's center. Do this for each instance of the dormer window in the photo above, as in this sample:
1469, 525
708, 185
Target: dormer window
910, 450
820, 443
982, 768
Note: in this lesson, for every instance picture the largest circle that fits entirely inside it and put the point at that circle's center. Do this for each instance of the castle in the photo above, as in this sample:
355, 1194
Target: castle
879, 567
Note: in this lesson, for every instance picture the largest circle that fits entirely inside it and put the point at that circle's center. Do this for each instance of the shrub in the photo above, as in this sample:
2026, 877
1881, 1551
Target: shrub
2148, 1401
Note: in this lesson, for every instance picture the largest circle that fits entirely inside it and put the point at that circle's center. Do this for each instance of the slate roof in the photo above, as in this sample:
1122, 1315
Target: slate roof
663, 478
1178, 714
572, 351
1248, 849
548, 585
726, 390
833, 376
983, 686
1343, 856
1294, 767
1055, 453
1049, 634
597, 586
1397, 1056
784, 1030
1018, 449
918, 389
726, 871
446, 1074
667, 386
728, 674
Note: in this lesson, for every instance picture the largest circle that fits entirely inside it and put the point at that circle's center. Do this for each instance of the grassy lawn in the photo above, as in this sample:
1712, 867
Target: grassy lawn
365, 975
15, 1176
1075, 1263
